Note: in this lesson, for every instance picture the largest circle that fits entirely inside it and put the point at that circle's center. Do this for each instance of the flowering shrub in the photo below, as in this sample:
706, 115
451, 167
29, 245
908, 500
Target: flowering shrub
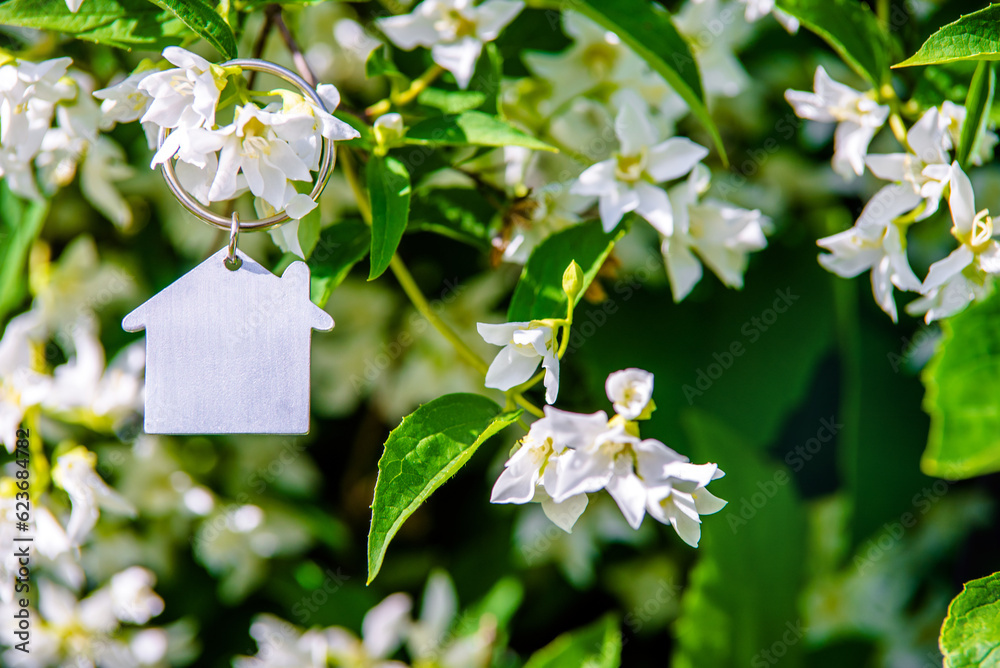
555, 205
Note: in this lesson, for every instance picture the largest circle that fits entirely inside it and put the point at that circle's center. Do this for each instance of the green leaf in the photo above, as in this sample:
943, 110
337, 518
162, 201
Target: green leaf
202, 18
596, 646
488, 78
339, 248
380, 63
970, 634
539, 292
501, 602
20, 224
389, 189
963, 395
851, 29
977, 103
972, 37
422, 453
120, 23
471, 128
648, 30
751, 551
457, 213
451, 101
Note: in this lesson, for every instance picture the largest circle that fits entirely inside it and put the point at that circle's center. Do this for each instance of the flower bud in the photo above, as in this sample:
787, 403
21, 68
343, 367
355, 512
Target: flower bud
388, 129
572, 281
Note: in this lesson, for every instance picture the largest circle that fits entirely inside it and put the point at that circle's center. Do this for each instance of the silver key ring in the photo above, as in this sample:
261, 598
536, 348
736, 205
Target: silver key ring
223, 222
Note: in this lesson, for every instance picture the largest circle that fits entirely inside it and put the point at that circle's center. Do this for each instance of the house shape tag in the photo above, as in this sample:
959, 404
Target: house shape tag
227, 352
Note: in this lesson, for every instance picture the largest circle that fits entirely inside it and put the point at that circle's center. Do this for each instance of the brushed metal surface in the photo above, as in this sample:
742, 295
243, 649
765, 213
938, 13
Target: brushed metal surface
227, 352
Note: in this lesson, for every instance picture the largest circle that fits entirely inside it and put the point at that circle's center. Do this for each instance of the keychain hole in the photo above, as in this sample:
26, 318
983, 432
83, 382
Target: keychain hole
234, 263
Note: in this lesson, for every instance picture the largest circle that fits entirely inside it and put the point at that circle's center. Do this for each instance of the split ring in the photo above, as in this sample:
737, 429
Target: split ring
325, 165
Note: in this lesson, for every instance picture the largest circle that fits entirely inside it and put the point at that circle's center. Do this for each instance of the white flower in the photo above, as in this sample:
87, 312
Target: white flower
525, 345
857, 114
186, 95
551, 208
253, 148
722, 235
104, 164
21, 386
29, 94
132, 597
551, 435
681, 498
758, 9
877, 243
281, 645
626, 182
454, 30
382, 632
301, 123
597, 59
619, 461
714, 43
953, 118
956, 280
124, 102
630, 391
74, 472
926, 168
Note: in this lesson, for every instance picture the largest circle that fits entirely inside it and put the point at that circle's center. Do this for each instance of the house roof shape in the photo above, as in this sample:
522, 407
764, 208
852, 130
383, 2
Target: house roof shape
212, 280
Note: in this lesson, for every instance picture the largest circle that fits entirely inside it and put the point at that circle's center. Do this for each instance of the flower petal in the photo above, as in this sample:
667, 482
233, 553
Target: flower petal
510, 368
458, 58
674, 158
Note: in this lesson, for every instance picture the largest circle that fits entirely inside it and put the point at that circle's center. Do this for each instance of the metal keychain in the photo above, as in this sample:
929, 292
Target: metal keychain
227, 344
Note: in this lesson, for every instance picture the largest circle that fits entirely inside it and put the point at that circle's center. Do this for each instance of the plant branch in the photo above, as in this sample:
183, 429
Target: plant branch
301, 64
413, 292
258, 46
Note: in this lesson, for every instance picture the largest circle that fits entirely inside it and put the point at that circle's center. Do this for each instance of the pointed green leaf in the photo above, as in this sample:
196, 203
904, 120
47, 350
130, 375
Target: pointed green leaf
963, 395
970, 634
462, 214
539, 293
421, 454
202, 18
339, 248
471, 128
749, 552
977, 105
851, 29
596, 646
972, 37
647, 29
121, 23
389, 189
20, 224
451, 101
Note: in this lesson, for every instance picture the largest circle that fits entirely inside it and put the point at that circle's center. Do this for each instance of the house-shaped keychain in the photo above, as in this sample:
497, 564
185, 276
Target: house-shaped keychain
227, 352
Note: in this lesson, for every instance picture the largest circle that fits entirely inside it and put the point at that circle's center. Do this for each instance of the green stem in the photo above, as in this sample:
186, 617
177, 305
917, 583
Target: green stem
413, 292
420, 302
417, 86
